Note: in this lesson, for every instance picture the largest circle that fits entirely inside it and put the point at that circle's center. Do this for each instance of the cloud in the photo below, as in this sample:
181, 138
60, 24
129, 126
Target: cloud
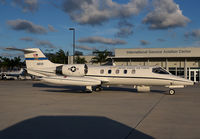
102, 40
27, 39
45, 43
125, 29
27, 5
161, 40
83, 47
4, 47
2, 1
194, 34
27, 26
12, 54
166, 14
144, 42
95, 12
51, 28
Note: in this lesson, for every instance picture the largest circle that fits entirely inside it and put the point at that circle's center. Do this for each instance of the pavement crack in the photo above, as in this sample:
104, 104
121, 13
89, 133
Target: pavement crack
150, 110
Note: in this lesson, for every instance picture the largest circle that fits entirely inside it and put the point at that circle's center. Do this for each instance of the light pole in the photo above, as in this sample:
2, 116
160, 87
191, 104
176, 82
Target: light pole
73, 29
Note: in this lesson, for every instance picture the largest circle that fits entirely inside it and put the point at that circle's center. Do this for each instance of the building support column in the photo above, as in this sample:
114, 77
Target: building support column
70, 59
166, 65
185, 68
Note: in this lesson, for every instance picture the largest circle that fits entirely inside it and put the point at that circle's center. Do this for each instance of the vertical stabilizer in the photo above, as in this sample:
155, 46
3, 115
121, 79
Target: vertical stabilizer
36, 59
37, 63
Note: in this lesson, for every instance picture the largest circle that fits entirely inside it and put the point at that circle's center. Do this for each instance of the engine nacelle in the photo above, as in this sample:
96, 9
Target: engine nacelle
72, 70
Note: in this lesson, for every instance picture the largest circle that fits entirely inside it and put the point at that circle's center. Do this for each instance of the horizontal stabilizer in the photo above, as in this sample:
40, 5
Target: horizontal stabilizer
22, 50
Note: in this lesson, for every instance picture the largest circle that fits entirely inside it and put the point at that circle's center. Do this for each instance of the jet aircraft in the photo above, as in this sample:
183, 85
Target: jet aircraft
141, 77
12, 74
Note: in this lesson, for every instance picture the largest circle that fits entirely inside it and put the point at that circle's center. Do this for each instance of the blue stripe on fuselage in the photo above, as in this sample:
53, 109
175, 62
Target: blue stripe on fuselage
38, 58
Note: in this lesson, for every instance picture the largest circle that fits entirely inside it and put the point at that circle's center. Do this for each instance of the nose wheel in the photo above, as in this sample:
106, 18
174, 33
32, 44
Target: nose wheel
171, 92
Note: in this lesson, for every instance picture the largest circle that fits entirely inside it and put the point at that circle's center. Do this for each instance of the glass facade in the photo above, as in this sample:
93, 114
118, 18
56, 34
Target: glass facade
193, 74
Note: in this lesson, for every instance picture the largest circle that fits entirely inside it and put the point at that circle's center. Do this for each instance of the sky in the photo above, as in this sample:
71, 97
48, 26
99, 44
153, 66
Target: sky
99, 24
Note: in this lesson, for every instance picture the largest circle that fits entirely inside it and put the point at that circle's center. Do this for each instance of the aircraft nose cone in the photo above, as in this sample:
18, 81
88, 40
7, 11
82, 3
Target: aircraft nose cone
187, 82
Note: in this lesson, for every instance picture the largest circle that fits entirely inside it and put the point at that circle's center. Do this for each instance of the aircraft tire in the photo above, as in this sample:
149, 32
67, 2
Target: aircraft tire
171, 92
88, 91
98, 88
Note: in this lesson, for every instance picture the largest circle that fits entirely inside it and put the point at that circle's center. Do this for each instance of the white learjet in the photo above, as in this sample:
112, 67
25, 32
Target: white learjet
141, 77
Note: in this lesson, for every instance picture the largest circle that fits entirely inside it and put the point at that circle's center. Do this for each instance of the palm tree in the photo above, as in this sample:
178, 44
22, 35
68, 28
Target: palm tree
17, 62
7, 63
80, 60
101, 56
59, 57
0, 63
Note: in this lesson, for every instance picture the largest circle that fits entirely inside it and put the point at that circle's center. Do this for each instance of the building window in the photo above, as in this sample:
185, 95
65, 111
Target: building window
109, 71
188, 73
180, 72
172, 70
125, 71
133, 71
101, 71
117, 71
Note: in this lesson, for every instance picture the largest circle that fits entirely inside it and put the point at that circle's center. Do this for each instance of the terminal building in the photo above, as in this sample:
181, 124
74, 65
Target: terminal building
184, 62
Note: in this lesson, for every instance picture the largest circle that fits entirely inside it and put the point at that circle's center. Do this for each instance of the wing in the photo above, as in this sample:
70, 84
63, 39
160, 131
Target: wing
70, 80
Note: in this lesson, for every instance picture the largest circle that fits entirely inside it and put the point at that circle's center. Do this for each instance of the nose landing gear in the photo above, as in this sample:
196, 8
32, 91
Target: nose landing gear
171, 92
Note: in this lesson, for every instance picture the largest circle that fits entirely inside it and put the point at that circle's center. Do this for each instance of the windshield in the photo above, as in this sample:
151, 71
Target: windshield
159, 70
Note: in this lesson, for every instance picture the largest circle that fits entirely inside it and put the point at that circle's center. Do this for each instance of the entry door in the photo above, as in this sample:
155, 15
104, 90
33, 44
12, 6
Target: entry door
194, 75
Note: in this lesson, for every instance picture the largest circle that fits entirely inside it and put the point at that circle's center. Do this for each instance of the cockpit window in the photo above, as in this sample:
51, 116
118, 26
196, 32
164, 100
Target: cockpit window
159, 70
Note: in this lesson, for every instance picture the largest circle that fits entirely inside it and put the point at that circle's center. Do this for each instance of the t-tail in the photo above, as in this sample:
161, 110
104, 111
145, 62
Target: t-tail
37, 63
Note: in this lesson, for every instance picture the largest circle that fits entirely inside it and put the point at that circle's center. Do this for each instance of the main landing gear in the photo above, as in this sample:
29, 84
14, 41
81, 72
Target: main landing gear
89, 89
171, 91
98, 88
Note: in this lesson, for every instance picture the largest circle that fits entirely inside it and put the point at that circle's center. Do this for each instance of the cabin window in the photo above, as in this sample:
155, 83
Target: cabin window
133, 71
109, 71
125, 71
101, 71
117, 71
159, 70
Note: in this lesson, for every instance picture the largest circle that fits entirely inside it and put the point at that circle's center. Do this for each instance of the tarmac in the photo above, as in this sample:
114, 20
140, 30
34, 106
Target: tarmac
35, 110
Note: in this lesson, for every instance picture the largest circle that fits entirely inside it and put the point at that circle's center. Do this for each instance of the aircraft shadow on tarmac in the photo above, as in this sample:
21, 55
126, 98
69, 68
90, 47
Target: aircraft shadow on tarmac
71, 127
81, 89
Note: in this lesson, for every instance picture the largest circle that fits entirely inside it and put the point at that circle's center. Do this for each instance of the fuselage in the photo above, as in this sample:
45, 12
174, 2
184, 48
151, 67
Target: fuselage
125, 75
135, 75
